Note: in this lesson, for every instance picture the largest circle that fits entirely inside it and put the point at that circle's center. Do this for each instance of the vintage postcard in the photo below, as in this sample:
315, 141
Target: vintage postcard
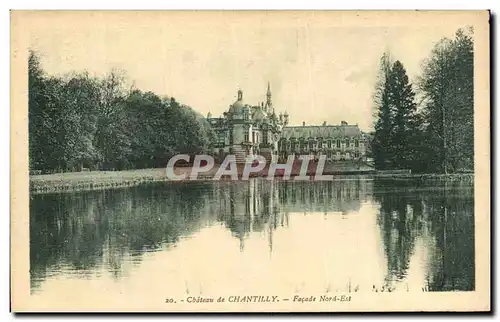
250, 161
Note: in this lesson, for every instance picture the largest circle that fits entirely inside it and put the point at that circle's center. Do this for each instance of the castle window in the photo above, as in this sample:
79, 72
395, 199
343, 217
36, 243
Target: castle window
302, 143
264, 137
347, 142
329, 144
221, 138
356, 143
231, 136
253, 136
246, 136
338, 143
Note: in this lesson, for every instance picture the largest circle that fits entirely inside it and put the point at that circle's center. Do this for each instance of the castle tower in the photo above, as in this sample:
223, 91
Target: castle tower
269, 102
240, 130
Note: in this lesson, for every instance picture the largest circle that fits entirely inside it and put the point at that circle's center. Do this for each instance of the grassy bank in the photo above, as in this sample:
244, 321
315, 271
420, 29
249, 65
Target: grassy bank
95, 180
428, 177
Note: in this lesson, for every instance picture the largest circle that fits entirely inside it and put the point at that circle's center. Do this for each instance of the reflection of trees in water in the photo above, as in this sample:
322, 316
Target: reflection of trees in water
453, 227
80, 231
442, 215
399, 221
76, 230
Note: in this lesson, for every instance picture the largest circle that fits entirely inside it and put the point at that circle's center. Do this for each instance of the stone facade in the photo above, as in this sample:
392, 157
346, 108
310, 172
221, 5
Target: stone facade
248, 130
338, 142
256, 130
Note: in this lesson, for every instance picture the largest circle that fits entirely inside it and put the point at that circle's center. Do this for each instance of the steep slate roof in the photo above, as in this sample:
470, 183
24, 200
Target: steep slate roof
324, 131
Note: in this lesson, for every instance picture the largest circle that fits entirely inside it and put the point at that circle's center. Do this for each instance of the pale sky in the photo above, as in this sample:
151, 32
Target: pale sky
321, 65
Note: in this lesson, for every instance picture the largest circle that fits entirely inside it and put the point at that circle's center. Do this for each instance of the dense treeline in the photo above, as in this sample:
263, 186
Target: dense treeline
436, 135
79, 121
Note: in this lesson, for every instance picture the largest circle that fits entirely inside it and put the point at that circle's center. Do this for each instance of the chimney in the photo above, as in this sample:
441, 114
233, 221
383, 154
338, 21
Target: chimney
324, 123
303, 123
343, 123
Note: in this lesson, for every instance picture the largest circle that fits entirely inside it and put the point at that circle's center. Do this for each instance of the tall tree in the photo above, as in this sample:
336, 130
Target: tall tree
382, 145
80, 100
37, 103
402, 104
46, 140
448, 89
113, 134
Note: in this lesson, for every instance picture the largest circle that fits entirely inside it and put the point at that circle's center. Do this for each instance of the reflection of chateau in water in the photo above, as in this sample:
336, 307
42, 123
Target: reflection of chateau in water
264, 205
342, 196
247, 207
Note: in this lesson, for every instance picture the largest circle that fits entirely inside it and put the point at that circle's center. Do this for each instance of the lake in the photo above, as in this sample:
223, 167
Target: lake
353, 235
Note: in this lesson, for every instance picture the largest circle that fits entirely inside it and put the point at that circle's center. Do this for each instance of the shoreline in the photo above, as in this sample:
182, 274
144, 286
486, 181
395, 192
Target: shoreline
102, 180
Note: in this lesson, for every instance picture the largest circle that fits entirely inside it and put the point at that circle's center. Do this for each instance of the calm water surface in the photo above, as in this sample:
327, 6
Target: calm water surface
355, 235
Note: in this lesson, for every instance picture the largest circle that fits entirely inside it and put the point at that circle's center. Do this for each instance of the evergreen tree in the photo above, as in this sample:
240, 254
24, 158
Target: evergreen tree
402, 103
382, 145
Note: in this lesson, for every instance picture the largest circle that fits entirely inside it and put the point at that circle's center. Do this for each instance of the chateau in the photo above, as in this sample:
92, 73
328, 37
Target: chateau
256, 130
